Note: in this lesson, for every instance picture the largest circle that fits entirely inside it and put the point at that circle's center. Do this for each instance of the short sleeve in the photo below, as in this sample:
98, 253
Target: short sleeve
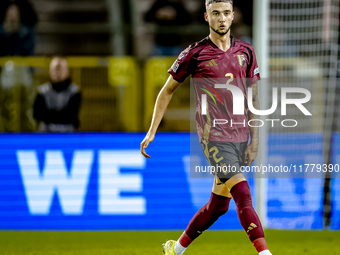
253, 74
181, 68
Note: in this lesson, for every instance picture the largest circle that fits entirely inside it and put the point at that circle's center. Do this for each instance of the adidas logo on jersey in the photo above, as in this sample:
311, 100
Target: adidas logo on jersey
211, 63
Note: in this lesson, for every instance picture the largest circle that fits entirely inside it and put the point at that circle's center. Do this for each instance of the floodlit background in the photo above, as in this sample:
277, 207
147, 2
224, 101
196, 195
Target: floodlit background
118, 52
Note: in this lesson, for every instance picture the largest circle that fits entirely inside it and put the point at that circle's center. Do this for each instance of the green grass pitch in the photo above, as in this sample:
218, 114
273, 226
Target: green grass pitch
149, 243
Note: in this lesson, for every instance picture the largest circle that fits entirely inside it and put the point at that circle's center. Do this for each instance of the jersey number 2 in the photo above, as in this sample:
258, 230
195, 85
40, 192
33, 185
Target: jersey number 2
231, 77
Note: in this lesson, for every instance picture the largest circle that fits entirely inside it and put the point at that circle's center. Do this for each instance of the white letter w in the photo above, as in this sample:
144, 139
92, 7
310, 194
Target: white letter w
40, 187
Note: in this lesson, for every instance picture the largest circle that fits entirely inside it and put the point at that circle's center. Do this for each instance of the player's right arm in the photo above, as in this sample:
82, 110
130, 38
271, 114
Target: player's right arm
161, 105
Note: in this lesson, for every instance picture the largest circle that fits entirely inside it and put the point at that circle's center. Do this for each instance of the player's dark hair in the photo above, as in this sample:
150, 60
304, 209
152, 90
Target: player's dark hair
207, 2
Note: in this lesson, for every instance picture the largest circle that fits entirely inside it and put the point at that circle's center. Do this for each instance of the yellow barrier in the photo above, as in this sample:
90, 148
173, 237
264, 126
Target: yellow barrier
155, 76
125, 76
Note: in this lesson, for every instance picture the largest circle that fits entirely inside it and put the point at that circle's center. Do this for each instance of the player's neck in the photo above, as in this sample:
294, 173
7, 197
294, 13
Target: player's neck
221, 41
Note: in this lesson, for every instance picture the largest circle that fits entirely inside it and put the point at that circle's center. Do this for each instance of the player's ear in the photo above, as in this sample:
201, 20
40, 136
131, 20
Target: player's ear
206, 17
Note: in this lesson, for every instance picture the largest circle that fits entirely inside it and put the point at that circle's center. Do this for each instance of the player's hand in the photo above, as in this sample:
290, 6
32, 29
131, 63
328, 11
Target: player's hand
251, 153
144, 144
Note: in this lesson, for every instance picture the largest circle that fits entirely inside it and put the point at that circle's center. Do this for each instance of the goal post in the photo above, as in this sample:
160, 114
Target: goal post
261, 46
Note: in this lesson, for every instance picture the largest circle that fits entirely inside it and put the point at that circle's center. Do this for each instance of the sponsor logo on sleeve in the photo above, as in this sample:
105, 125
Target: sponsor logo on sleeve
184, 53
175, 66
181, 56
256, 71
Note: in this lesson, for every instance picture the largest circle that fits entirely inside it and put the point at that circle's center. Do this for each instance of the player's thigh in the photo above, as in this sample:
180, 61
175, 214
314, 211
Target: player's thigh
219, 188
223, 189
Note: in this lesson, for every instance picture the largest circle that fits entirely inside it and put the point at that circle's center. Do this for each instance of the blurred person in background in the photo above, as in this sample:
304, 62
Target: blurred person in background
16, 38
167, 14
28, 16
57, 103
241, 30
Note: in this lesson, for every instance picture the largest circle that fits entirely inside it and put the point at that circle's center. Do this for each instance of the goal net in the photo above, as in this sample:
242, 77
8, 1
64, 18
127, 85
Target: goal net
303, 53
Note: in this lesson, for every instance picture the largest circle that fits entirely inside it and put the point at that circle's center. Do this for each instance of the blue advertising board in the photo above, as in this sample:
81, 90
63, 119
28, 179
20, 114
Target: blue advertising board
102, 182
295, 203
99, 182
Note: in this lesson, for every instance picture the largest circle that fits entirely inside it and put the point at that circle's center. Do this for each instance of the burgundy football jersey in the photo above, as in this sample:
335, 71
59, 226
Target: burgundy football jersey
237, 66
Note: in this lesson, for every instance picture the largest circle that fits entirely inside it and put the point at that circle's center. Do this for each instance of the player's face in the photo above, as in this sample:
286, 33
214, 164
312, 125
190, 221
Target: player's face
220, 17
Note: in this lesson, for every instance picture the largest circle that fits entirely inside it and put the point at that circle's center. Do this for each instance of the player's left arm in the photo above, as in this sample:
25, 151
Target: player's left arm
252, 149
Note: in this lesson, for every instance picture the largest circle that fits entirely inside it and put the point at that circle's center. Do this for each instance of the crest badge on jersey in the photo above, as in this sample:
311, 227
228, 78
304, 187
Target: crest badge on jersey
241, 60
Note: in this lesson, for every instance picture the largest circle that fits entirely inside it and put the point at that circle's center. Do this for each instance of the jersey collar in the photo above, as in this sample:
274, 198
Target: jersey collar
232, 42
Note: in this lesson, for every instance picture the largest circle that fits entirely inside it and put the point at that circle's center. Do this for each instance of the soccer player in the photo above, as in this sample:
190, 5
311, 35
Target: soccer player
218, 56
